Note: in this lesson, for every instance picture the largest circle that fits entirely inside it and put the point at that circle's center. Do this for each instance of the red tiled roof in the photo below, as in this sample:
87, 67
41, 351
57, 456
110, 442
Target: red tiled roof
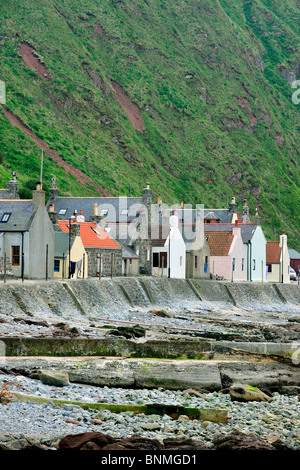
91, 239
219, 242
273, 253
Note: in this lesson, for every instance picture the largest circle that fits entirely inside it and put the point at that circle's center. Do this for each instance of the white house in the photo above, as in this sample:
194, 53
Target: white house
168, 250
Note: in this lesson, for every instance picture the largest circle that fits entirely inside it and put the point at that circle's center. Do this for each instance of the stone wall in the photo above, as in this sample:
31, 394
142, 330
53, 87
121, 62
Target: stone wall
93, 269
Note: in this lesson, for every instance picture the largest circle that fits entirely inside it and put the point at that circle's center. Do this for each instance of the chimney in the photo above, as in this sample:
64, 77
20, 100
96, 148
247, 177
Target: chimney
283, 239
13, 187
245, 213
232, 206
80, 217
236, 230
95, 217
53, 216
38, 196
147, 200
53, 192
256, 218
74, 230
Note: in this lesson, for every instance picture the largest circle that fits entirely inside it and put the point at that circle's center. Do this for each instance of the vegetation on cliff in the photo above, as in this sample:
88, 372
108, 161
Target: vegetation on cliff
190, 95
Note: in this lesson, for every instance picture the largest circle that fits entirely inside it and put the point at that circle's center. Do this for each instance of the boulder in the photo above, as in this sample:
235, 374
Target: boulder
99, 441
54, 377
240, 441
243, 392
77, 441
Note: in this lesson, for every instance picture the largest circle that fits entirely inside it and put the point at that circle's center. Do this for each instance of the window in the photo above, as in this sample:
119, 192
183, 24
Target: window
206, 260
62, 211
124, 212
180, 262
233, 265
56, 265
15, 255
254, 265
104, 212
269, 268
243, 264
5, 217
196, 261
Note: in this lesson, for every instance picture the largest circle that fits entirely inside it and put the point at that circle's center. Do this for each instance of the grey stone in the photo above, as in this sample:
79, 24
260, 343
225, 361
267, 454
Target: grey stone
53, 377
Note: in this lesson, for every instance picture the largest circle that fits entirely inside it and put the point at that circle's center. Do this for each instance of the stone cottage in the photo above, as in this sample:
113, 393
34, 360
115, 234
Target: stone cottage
27, 236
102, 251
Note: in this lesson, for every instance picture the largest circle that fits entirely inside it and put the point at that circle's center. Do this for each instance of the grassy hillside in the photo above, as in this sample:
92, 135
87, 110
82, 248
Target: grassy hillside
192, 96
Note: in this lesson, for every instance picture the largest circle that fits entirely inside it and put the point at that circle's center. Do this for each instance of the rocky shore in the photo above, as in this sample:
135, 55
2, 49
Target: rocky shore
29, 423
136, 354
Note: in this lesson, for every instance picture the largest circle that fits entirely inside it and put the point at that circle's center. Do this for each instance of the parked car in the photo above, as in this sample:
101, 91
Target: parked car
293, 275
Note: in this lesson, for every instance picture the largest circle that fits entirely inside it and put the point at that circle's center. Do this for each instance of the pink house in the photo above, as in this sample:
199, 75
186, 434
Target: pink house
228, 256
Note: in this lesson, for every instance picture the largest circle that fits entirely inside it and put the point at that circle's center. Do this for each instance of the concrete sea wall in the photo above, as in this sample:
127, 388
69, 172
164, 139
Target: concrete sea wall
93, 299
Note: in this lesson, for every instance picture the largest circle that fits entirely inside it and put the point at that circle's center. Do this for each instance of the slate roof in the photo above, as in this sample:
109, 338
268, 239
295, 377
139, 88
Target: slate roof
21, 214
114, 205
294, 254
219, 242
61, 244
273, 252
91, 235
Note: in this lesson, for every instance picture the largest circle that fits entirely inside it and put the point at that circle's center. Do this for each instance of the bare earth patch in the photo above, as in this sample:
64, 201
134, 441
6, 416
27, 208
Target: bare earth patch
131, 109
99, 29
32, 61
79, 175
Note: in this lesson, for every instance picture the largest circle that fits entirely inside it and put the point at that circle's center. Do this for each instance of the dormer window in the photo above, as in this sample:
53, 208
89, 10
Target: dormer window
62, 211
5, 217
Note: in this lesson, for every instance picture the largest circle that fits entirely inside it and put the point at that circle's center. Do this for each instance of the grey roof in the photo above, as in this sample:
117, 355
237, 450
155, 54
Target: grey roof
221, 214
126, 253
114, 205
61, 244
294, 254
21, 215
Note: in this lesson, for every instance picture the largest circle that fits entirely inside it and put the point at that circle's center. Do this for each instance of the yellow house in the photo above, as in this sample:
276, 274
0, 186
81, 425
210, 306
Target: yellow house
77, 265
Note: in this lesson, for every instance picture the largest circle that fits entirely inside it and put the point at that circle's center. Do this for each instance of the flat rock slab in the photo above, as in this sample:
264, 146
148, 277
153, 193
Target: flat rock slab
168, 374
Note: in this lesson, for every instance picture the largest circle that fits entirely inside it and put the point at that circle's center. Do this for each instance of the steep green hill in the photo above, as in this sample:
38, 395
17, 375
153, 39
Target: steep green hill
193, 96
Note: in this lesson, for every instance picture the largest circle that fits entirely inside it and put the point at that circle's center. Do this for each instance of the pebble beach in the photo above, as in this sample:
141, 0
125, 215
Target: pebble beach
29, 422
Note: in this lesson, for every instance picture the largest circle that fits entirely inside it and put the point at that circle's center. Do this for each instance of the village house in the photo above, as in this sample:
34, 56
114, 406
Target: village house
253, 239
103, 253
27, 236
168, 250
278, 260
228, 256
